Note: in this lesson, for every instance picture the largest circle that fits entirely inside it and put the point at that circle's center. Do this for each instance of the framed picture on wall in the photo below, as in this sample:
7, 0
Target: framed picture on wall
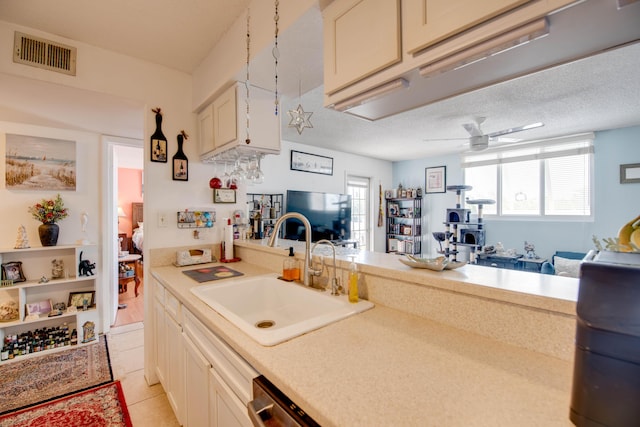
436, 180
313, 163
29, 158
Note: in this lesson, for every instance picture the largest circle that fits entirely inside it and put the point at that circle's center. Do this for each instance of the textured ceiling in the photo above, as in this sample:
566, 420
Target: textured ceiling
178, 34
589, 95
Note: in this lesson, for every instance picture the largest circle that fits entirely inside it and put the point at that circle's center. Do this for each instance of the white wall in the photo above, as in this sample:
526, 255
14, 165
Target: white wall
614, 203
279, 178
15, 203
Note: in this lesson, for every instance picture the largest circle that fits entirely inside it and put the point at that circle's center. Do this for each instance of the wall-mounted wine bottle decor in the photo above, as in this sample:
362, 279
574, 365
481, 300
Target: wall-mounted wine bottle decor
158, 140
180, 161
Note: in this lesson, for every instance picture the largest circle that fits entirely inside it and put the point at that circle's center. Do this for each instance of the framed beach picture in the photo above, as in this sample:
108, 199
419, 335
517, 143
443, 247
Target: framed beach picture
36, 163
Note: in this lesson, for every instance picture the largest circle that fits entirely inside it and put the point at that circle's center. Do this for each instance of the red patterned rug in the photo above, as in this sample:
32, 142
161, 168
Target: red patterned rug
100, 406
51, 376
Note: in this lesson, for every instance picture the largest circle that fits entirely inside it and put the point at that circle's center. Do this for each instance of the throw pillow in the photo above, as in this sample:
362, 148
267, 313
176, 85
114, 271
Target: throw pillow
567, 267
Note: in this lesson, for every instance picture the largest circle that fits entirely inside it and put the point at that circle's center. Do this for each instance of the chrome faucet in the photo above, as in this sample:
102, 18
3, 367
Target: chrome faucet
308, 266
333, 278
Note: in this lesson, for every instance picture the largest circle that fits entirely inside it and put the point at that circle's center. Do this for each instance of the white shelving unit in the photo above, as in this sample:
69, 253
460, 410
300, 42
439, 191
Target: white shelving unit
36, 264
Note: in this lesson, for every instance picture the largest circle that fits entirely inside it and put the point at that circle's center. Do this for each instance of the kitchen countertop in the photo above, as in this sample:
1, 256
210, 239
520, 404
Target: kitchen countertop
389, 367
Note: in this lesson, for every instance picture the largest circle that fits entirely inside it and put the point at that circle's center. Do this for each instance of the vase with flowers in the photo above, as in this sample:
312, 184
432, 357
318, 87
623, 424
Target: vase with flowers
48, 212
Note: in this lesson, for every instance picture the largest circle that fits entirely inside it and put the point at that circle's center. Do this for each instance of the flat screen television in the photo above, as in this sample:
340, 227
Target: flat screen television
329, 215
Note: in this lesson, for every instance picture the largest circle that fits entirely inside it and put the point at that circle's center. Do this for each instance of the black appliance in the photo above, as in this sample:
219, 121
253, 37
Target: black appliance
329, 215
606, 377
270, 407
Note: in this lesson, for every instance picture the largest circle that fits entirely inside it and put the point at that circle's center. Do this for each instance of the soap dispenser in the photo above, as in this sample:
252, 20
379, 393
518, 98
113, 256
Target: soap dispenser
353, 281
290, 267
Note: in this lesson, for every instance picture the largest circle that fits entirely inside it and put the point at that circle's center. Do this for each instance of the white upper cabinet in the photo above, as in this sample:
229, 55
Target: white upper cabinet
205, 130
373, 47
427, 22
361, 37
223, 123
225, 117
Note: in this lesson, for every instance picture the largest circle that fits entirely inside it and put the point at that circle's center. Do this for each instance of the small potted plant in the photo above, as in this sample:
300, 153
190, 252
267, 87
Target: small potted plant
48, 212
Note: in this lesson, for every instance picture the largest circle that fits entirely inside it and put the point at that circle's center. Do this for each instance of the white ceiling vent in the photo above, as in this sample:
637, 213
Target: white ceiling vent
42, 53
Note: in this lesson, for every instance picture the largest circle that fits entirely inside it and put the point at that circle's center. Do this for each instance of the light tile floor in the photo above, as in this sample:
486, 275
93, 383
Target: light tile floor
148, 405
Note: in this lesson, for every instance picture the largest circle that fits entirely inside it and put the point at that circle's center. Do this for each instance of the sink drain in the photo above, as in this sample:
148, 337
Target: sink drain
265, 324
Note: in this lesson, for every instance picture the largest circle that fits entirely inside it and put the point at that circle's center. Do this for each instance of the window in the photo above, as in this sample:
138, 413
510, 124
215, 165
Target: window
550, 178
358, 187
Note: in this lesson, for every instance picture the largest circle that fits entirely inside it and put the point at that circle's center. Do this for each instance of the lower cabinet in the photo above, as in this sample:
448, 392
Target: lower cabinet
175, 387
229, 378
207, 383
225, 409
196, 374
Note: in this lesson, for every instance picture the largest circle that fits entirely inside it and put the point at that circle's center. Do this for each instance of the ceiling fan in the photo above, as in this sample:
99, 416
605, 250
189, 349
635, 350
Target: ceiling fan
479, 141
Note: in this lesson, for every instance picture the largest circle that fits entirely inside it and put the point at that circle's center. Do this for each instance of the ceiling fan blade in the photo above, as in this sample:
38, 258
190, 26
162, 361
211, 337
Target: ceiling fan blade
445, 139
515, 129
473, 129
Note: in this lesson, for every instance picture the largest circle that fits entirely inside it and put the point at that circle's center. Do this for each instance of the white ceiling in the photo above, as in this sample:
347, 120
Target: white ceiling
589, 95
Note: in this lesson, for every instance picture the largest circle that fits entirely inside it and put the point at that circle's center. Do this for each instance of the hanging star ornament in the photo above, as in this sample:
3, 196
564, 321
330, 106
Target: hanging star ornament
300, 119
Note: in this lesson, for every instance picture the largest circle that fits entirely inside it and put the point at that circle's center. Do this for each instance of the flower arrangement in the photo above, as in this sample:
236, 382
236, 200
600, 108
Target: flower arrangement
49, 211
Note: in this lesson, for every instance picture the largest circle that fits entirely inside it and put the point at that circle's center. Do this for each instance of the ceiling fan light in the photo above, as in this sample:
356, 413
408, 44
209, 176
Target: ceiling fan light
479, 143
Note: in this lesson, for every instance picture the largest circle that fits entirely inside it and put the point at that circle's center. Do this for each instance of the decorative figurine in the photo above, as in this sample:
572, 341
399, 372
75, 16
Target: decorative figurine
88, 331
57, 269
530, 250
84, 220
22, 241
85, 268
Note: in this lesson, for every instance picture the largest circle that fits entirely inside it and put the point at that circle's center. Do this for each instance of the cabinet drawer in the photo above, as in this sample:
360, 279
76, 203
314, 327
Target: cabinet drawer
235, 371
158, 292
172, 306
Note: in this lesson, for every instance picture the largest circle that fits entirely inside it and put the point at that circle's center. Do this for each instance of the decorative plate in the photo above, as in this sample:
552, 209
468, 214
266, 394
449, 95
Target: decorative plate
436, 264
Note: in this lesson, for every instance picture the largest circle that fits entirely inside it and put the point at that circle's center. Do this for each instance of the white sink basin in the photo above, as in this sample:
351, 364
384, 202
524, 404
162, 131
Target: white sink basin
271, 311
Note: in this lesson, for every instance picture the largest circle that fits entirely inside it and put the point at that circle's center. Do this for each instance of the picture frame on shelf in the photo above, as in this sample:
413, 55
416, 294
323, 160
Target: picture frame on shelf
13, 271
224, 195
77, 299
435, 180
394, 209
39, 308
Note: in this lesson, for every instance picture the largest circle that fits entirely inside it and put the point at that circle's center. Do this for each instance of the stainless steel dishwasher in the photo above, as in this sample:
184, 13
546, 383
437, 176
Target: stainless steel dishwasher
272, 408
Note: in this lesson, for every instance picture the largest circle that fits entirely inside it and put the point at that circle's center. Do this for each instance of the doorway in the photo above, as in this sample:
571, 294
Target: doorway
125, 192
359, 187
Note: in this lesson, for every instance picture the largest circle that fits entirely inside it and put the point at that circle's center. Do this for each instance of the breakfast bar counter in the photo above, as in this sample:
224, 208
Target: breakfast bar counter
389, 366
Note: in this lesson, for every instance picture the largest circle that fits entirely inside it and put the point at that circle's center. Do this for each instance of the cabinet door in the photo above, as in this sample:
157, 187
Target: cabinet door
426, 22
361, 37
225, 126
205, 130
175, 368
197, 379
161, 349
226, 410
